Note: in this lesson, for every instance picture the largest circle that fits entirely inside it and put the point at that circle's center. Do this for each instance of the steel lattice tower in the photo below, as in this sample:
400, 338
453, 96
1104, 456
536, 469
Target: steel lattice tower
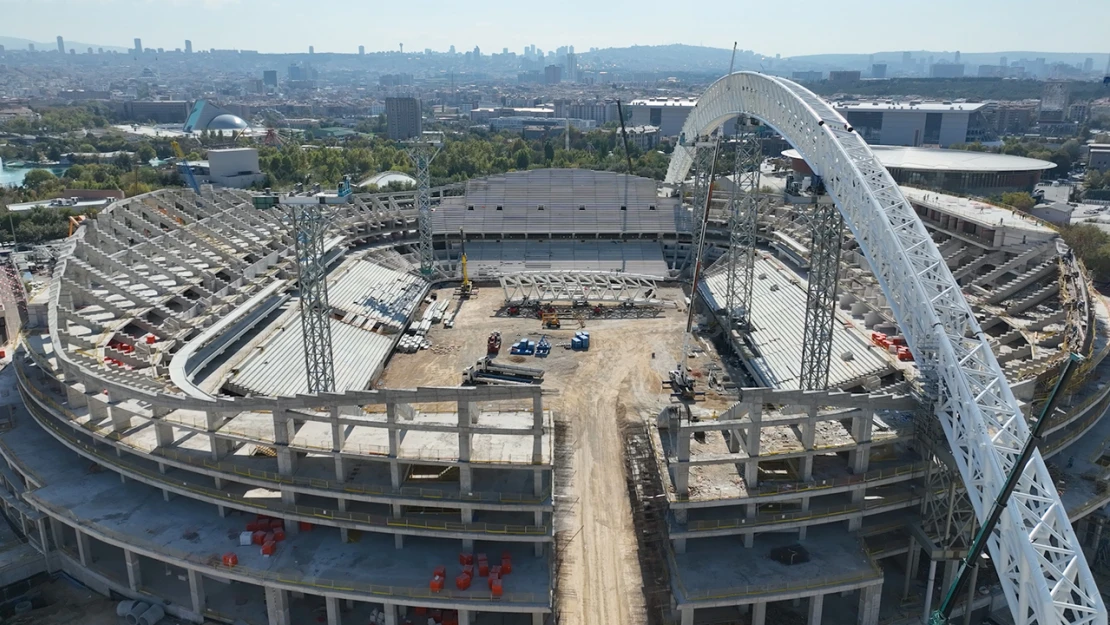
824, 269
705, 151
423, 151
743, 211
309, 228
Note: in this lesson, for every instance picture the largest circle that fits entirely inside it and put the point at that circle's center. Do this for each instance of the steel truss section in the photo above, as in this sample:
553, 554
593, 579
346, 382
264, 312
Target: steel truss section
579, 286
824, 272
1040, 564
422, 152
310, 229
743, 222
706, 150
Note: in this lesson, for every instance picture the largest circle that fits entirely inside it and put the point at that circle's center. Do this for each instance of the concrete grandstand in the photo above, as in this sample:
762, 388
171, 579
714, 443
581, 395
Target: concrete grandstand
166, 353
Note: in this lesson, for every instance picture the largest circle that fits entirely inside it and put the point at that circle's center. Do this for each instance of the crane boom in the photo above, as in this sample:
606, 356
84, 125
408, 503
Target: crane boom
185, 168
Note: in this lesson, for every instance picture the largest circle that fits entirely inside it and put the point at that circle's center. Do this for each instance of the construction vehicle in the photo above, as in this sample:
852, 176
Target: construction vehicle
979, 545
344, 187
184, 167
466, 289
493, 343
550, 318
488, 371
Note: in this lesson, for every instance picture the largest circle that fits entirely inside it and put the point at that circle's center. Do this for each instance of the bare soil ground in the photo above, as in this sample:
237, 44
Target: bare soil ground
619, 378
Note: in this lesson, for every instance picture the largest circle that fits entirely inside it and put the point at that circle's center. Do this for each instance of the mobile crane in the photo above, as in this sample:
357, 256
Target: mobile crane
979, 545
185, 168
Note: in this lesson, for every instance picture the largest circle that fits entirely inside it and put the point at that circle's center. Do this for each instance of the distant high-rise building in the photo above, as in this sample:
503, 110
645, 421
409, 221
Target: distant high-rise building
907, 58
572, 67
61, 45
878, 70
30, 47
451, 50
90, 50
72, 52
188, 47
957, 56
138, 46
362, 50
477, 53
312, 49
1, 49
1088, 65
552, 75
403, 118
1055, 97
845, 76
504, 51
946, 70
570, 50
269, 78
100, 50
1004, 62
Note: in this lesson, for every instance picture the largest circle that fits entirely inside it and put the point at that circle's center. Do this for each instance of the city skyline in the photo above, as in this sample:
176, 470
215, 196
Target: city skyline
494, 25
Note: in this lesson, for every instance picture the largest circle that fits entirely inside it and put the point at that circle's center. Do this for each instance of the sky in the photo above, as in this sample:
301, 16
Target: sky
794, 28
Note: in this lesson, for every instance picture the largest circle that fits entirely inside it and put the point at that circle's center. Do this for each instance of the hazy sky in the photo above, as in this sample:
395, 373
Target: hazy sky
789, 28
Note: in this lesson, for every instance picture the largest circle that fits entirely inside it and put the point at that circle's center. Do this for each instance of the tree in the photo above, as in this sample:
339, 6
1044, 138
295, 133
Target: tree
522, 159
1084, 239
36, 178
146, 153
1019, 200
1063, 164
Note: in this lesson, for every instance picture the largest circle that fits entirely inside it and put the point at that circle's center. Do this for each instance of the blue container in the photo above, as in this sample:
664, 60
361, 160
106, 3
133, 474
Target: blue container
576, 343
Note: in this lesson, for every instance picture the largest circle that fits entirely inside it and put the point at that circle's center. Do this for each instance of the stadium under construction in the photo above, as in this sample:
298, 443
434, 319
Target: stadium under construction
788, 408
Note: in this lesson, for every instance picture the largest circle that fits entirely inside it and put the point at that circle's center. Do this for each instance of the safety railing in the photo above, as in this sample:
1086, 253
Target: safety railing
801, 515
237, 469
800, 585
357, 518
212, 565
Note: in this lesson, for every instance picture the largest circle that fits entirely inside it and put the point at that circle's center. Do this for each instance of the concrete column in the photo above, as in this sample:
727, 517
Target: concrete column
464, 617
277, 606
340, 469
395, 474
687, 616
911, 568
334, 615
196, 592
537, 430
816, 603
971, 594
56, 533
467, 516
336, 430
537, 483
759, 613
950, 567
869, 598
285, 431
682, 467
390, 611
466, 479
809, 433
220, 446
751, 468
859, 457
733, 441
1098, 535
538, 618
84, 551
929, 591
134, 572
76, 397
464, 429
40, 525
394, 434
163, 434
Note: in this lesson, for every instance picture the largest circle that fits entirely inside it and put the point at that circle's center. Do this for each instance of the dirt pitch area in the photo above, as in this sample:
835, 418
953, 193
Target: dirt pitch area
620, 378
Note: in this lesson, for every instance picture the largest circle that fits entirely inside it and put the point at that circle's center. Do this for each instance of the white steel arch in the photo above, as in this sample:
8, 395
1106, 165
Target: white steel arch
1043, 570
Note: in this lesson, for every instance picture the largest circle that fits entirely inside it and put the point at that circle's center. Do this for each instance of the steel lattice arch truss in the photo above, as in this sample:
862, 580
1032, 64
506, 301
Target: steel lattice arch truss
576, 286
1042, 569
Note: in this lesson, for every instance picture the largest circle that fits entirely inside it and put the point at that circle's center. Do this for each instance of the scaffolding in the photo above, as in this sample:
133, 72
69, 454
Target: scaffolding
310, 229
423, 151
743, 213
824, 269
